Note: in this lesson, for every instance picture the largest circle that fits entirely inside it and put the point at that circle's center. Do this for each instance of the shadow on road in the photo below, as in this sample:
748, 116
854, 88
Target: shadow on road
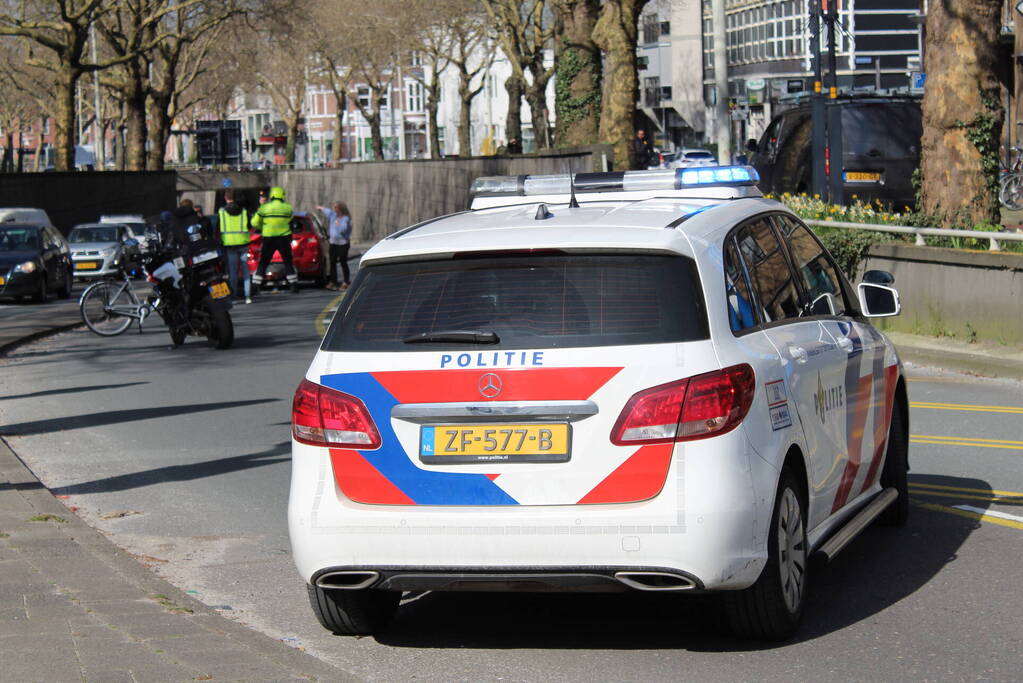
118, 416
198, 470
71, 390
879, 569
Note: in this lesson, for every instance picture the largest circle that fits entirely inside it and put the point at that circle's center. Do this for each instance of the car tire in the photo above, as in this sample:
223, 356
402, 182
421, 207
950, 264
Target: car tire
43, 292
353, 613
772, 608
895, 473
68, 285
177, 336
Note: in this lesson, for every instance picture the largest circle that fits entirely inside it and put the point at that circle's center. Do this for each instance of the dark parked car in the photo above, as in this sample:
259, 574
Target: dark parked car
880, 145
34, 260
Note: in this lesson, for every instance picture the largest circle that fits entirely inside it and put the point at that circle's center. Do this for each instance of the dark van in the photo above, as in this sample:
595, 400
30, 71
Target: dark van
881, 149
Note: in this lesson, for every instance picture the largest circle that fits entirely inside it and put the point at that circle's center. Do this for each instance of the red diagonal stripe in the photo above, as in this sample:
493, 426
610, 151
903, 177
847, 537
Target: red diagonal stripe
641, 477
891, 374
362, 482
859, 417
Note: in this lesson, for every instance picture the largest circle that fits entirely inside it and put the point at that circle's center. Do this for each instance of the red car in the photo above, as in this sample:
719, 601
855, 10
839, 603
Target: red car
308, 247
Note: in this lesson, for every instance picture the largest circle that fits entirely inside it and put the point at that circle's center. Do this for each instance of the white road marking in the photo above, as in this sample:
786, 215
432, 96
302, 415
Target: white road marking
990, 513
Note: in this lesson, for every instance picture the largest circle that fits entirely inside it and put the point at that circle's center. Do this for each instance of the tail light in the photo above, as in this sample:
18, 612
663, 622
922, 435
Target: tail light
325, 417
688, 409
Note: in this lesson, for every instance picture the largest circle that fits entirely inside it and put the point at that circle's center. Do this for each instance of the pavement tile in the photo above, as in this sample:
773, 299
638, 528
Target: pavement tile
145, 626
12, 613
18, 572
30, 628
105, 675
127, 606
247, 673
23, 660
63, 548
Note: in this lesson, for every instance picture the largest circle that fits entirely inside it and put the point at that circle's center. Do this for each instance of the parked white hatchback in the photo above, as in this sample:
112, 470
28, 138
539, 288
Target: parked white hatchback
651, 380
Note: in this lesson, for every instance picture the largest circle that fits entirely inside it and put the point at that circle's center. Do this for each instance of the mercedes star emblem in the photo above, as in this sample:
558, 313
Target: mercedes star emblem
490, 385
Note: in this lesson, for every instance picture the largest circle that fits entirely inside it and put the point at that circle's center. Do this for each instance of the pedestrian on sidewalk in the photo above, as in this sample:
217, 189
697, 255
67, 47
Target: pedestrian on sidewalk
273, 220
233, 221
339, 234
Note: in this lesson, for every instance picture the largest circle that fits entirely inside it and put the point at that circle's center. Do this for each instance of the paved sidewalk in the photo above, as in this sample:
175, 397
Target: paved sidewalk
980, 358
74, 607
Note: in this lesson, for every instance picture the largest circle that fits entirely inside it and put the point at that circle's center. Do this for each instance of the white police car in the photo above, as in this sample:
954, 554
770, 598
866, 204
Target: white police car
653, 381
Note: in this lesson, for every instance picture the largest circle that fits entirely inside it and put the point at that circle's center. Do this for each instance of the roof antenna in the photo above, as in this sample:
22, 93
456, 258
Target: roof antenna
572, 202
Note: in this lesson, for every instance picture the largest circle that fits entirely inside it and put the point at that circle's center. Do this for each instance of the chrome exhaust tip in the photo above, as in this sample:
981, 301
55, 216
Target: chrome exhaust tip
351, 580
655, 581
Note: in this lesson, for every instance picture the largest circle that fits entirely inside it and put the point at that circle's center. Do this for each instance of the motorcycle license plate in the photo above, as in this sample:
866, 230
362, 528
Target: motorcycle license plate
3, 280
204, 257
220, 290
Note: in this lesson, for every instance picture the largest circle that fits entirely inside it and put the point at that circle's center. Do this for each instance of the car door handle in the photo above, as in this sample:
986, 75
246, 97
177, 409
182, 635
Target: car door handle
845, 344
799, 354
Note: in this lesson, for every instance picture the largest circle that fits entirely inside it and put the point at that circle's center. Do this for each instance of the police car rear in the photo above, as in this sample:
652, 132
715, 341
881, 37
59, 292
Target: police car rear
538, 395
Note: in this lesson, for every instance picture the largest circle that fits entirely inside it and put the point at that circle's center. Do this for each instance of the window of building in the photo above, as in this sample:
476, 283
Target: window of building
414, 96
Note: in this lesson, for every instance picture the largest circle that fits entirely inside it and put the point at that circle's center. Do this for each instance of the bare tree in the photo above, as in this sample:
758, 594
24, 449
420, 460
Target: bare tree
433, 46
524, 30
472, 55
26, 96
615, 34
61, 29
283, 74
962, 113
578, 76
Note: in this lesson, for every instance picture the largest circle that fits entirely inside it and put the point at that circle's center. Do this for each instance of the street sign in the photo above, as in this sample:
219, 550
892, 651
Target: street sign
870, 60
758, 83
918, 78
794, 85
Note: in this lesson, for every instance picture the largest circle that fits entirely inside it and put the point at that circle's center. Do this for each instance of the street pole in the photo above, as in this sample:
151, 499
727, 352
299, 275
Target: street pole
100, 142
836, 194
723, 124
818, 184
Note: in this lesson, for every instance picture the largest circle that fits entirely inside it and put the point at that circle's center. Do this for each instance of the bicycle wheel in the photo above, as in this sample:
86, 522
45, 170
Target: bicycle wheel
108, 308
1011, 191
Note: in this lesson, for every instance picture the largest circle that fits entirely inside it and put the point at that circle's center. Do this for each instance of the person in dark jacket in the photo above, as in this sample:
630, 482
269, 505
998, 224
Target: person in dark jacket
187, 231
642, 152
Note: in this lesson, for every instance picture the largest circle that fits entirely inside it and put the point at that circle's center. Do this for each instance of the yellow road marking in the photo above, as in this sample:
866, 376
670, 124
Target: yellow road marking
972, 515
968, 407
1012, 500
942, 487
966, 441
326, 314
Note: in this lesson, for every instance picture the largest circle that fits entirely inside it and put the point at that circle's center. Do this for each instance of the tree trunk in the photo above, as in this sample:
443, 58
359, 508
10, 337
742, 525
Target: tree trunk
615, 34
375, 135
578, 77
432, 104
465, 118
159, 132
337, 153
962, 114
37, 164
64, 104
135, 101
513, 121
291, 122
536, 96
7, 165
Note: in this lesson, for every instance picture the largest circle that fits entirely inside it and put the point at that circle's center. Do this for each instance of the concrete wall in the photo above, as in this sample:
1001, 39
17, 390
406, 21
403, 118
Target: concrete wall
79, 197
389, 195
951, 292
385, 196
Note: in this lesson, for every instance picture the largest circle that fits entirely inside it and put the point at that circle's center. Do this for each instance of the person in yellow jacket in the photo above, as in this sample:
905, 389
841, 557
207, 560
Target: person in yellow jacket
233, 222
273, 219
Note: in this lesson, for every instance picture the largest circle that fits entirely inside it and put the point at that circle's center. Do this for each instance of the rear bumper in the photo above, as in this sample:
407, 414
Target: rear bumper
706, 526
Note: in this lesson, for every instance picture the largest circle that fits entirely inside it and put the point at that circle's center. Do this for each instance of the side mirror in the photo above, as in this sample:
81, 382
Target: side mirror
878, 301
879, 277
130, 242
823, 305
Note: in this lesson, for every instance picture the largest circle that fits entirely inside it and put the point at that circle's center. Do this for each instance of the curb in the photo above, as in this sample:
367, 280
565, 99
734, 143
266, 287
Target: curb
36, 336
970, 363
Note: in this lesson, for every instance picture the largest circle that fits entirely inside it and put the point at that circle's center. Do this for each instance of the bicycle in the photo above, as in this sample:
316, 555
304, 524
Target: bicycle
1010, 186
108, 307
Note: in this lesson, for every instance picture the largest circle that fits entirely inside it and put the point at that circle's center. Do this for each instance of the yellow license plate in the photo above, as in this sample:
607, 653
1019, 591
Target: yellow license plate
86, 265
861, 177
3, 280
482, 443
220, 290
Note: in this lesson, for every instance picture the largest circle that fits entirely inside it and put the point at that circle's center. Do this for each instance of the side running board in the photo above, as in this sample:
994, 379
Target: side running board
856, 524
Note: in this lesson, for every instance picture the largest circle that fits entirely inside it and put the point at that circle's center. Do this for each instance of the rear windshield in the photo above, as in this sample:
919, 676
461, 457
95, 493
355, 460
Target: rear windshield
699, 155
534, 301
882, 129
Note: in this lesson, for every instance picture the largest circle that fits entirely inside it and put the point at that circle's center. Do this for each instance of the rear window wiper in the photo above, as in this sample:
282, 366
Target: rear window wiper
459, 336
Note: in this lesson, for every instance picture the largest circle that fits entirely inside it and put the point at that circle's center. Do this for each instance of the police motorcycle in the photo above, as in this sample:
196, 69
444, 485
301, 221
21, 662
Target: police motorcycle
195, 296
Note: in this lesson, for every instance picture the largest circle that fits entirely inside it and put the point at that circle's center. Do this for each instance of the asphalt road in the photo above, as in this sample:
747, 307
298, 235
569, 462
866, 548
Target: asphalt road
182, 457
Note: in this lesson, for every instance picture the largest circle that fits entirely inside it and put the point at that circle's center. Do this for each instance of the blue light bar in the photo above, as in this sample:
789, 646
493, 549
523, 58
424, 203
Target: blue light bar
717, 175
615, 181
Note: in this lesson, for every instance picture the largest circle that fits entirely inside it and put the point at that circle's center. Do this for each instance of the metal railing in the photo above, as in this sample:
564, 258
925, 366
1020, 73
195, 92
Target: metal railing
994, 238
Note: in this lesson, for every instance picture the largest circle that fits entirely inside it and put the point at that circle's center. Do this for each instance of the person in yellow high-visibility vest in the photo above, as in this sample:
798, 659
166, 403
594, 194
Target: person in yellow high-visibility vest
273, 220
233, 221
